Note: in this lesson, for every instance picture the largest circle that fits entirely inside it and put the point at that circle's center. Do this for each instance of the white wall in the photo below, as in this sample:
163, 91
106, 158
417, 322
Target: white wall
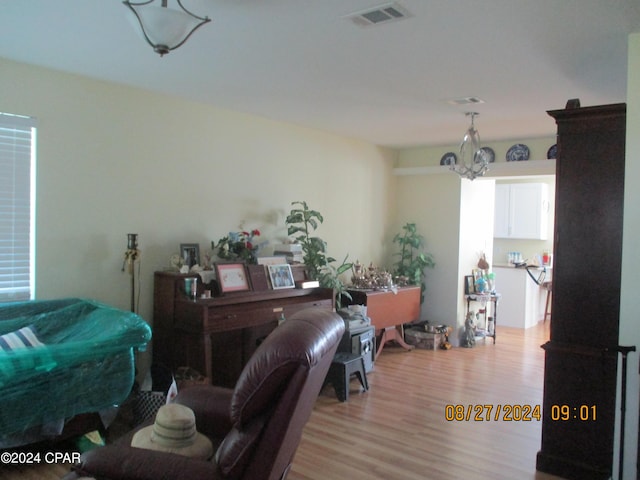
476, 237
433, 203
114, 160
629, 319
456, 218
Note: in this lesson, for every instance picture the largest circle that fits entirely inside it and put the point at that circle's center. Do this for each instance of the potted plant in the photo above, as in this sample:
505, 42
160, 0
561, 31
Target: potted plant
240, 246
301, 223
410, 267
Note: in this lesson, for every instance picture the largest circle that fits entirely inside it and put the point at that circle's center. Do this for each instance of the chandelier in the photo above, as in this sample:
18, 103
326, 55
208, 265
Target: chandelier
165, 28
474, 161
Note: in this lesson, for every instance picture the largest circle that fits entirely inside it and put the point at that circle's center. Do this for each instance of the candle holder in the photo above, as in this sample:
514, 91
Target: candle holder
130, 256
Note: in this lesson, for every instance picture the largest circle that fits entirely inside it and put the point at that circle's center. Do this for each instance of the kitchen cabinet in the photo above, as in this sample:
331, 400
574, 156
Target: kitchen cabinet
522, 304
521, 211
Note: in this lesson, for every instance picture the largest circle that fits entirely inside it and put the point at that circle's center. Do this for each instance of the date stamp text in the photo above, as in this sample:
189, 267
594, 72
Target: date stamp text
490, 412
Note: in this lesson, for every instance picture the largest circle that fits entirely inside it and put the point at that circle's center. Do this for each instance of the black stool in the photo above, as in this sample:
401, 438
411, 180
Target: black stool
343, 366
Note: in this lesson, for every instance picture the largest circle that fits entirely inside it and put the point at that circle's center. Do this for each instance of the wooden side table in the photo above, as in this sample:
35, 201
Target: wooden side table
389, 310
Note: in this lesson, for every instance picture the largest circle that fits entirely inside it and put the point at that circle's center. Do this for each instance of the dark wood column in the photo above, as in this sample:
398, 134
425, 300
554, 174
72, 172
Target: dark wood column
581, 359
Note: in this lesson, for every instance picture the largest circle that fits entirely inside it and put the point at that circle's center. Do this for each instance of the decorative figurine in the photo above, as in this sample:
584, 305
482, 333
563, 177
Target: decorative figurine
469, 340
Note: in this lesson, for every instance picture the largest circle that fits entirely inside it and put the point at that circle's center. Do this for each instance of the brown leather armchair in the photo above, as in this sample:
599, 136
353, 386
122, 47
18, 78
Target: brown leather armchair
256, 427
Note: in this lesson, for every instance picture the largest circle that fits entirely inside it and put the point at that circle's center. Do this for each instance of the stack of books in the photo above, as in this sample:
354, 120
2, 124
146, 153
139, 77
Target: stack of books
291, 251
308, 284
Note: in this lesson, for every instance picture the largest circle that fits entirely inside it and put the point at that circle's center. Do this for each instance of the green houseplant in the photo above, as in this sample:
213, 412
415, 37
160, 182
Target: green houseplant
301, 223
240, 246
412, 261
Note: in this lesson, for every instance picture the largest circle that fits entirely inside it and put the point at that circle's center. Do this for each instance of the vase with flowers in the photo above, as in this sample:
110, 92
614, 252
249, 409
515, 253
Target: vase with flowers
238, 246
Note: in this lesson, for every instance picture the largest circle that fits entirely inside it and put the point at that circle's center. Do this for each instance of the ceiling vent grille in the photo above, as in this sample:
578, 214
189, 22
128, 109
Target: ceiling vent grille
388, 12
465, 101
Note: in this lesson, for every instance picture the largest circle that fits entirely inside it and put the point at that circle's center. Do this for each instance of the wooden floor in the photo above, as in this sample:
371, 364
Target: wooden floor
398, 430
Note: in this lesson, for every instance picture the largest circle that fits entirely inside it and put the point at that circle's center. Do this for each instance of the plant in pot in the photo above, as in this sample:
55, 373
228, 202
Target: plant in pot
412, 261
301, 223
240, 246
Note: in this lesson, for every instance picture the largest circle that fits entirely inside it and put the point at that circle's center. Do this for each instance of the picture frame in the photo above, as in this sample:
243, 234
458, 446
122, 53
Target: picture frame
273, 260
258, 277
232, 277
477, 274
190, 253
469, 285
281, 276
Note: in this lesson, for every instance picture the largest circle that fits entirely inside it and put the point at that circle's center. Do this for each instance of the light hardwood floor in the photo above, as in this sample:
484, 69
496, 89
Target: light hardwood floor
398, 430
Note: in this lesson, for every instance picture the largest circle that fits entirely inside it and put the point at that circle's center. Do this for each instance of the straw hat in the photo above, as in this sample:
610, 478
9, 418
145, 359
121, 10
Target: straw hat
174, 431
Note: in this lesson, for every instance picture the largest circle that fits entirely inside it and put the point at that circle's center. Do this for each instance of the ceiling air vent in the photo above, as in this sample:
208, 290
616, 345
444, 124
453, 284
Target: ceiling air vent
380, 14
465, 101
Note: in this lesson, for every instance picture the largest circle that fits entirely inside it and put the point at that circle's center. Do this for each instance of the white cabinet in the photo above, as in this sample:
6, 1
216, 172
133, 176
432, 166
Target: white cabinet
501, 222
521, 211
522, 302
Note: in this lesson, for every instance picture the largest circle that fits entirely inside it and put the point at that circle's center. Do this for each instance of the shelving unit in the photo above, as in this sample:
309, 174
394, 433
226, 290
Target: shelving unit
486, 300
496, 169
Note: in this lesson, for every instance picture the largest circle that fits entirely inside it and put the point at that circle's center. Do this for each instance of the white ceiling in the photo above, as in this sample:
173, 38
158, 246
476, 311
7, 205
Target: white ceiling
302, 61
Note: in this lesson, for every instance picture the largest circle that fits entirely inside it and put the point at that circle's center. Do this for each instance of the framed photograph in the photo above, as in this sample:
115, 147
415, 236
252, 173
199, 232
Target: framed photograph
190, 253
477, 274
232, 277
469, 285
281, 276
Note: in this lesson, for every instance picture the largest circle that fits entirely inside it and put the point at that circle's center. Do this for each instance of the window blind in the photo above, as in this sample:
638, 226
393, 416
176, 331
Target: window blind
17, 206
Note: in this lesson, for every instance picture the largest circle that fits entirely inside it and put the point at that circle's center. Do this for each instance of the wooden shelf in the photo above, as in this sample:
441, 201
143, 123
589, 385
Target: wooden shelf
496, 169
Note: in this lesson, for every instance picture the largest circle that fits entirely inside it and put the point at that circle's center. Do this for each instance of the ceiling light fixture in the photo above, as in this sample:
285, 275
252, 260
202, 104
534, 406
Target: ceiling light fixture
474, 161
165, 28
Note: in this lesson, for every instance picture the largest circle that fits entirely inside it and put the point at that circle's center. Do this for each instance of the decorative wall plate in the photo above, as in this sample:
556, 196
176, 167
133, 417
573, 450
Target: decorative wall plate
518, 153
491, 155
552, 152
449, 158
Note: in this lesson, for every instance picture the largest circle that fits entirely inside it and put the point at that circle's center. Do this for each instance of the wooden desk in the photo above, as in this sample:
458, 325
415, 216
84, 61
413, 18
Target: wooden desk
217, 336
388, 311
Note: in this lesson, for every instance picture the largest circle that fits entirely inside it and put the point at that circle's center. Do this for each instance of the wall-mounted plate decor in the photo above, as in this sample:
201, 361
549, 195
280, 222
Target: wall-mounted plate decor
449, 158
490, 154
518, 153
552, 152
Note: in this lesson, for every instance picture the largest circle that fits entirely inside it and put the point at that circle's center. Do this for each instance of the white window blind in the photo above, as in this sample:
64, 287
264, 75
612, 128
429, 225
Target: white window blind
17, 206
